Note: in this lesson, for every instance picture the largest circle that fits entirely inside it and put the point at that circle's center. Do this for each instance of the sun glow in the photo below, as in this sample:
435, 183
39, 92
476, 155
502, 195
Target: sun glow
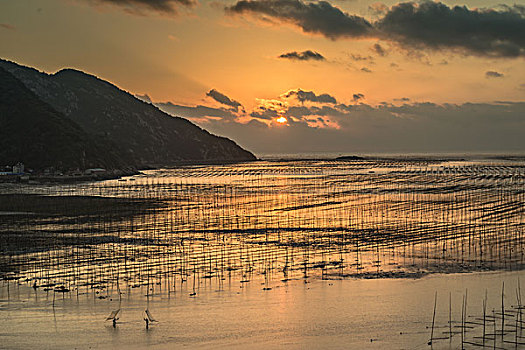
281, 120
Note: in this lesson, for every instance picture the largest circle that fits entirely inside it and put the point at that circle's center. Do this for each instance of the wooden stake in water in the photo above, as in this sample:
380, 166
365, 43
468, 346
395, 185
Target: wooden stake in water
433, 320
494, 318
463, 322
450, 315
484, 315
502, 310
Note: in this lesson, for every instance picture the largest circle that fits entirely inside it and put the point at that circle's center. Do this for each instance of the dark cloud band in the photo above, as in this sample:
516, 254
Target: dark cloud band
434, 25
312, 17
493, 74
303, 56
223, 99
162, 6
406, 127
310, 96
196, 111
424, 25
357, 97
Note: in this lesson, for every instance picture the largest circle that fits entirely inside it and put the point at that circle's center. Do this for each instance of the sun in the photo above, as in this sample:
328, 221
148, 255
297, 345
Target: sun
281, 120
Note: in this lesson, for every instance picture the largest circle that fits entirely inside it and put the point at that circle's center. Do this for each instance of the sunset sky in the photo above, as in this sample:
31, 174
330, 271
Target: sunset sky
348, 76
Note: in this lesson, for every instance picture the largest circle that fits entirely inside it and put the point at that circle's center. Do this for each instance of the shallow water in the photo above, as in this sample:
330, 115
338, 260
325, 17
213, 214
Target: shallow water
394, 313
246, 237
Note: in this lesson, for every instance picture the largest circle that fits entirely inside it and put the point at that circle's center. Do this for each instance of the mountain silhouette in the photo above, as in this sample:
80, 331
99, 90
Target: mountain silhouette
134, 133
33, 132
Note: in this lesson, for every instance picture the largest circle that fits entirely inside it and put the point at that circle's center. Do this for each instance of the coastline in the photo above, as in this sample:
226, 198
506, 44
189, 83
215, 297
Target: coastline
320, 314
110, 174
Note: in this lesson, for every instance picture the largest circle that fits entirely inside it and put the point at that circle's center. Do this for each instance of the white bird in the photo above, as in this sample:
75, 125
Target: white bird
113, 315
148, 316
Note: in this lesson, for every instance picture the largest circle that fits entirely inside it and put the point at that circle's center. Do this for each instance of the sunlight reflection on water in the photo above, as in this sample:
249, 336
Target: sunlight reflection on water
232, 236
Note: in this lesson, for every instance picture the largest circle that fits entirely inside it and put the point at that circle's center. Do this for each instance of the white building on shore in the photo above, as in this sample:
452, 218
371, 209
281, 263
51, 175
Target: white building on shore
17, 169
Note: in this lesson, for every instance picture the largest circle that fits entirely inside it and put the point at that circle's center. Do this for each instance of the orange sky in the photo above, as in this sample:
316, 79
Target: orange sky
178, 55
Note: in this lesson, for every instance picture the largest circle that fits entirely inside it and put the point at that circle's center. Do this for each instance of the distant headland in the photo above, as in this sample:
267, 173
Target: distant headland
70, 122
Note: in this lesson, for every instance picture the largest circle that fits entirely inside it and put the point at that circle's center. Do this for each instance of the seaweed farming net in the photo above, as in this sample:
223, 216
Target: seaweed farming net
331, 219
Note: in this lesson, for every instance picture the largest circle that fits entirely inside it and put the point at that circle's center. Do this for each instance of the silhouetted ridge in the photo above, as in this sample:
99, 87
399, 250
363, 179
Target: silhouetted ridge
34, 133
144, 135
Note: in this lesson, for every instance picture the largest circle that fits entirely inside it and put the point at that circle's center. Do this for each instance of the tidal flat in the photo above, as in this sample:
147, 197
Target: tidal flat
296, 254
